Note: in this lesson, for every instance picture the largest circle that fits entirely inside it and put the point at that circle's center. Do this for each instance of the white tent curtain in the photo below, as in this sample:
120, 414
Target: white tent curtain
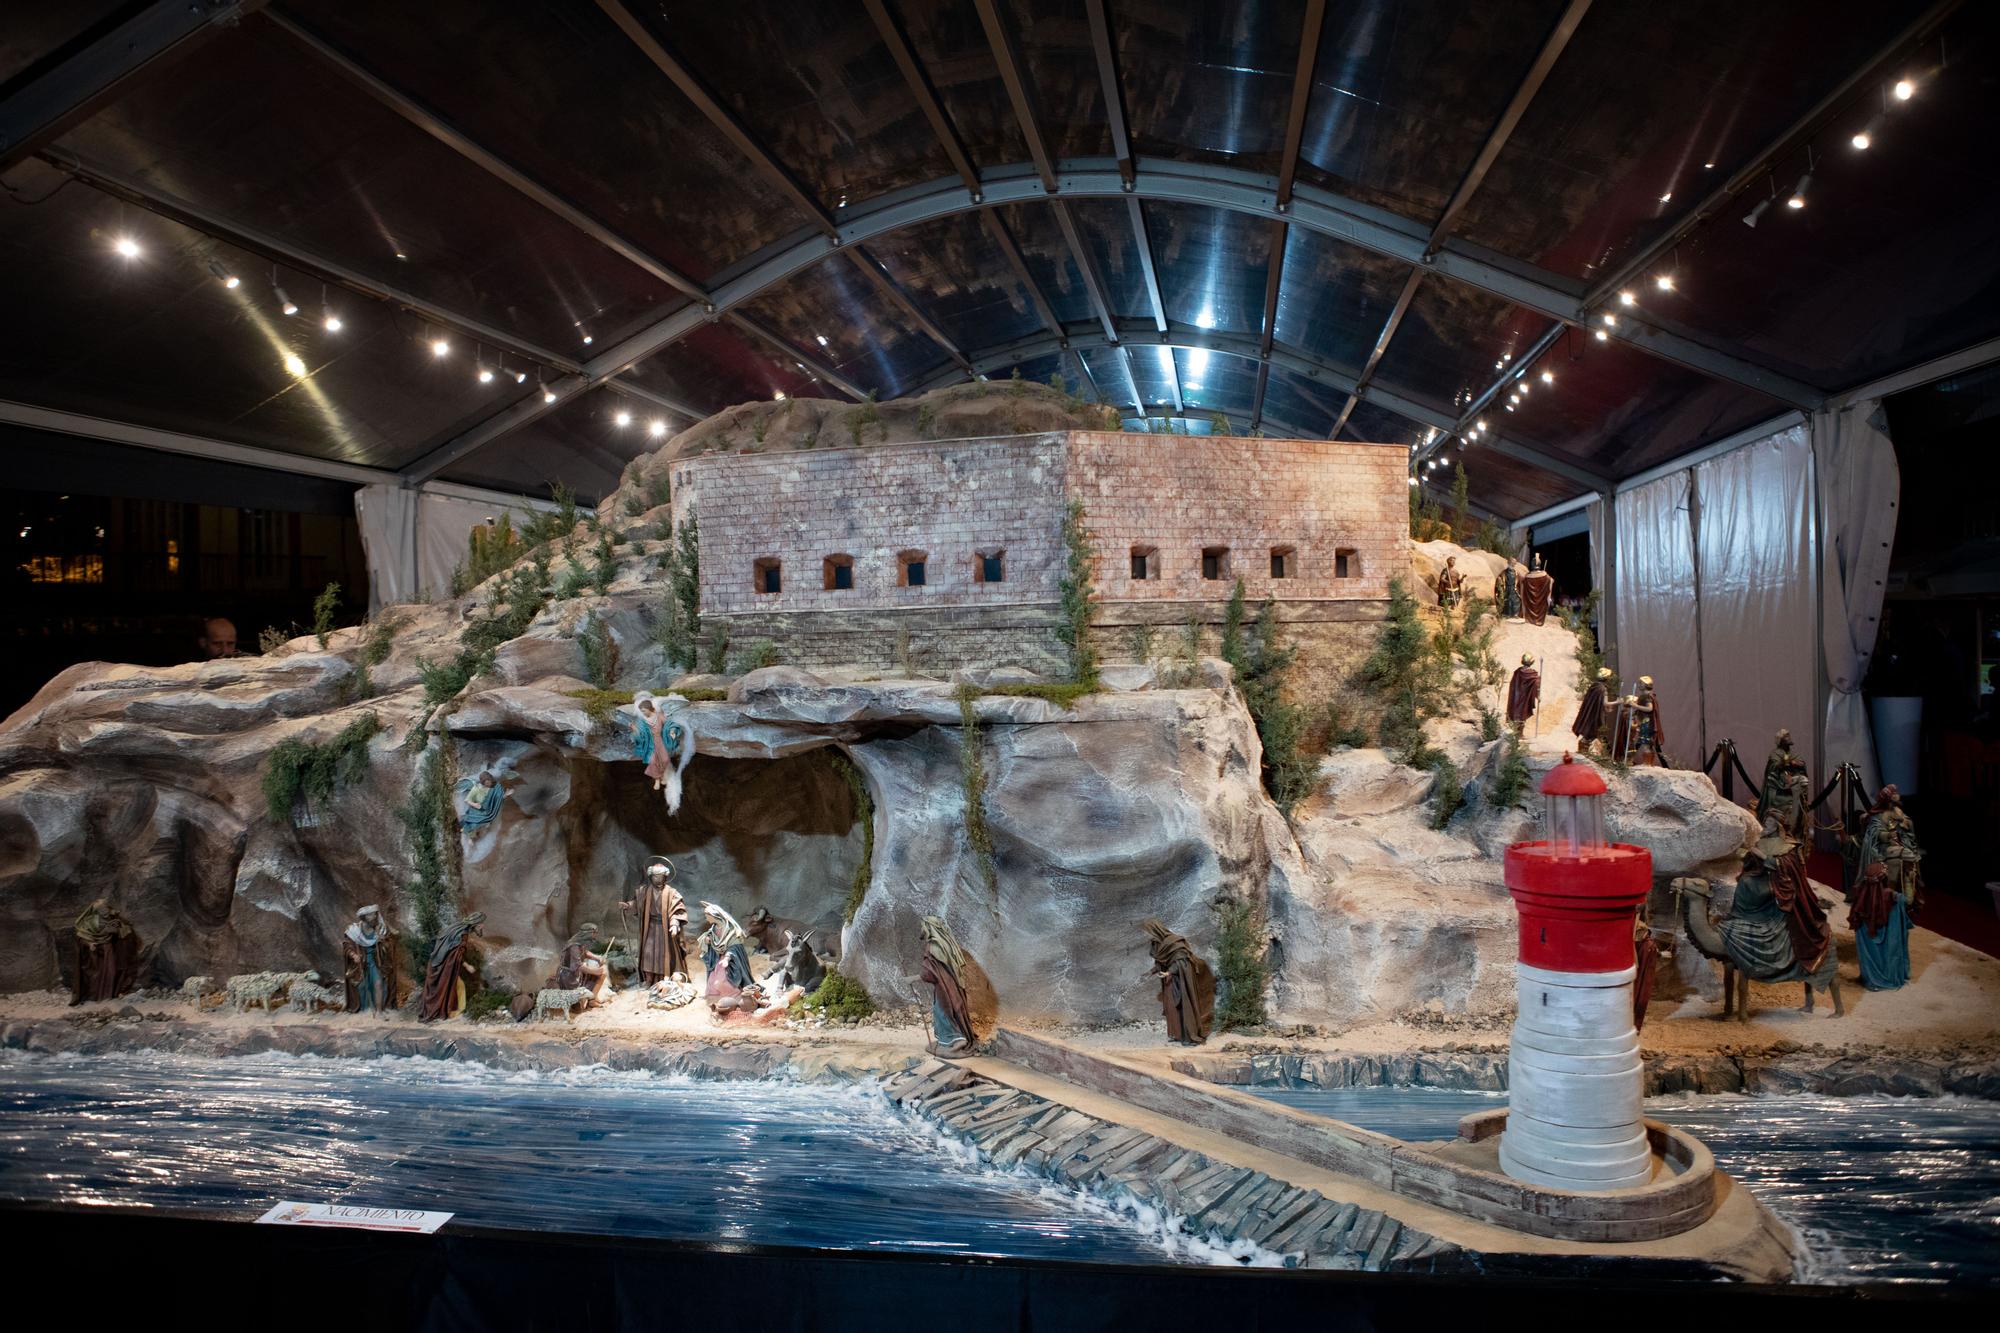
1859, 489
414, 538
1754, 552
1655, 581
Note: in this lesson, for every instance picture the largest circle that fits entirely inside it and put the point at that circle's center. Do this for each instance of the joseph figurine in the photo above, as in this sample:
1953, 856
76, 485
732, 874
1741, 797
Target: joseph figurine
1187, 985
448, 971
107, 954
373, 962
663, 917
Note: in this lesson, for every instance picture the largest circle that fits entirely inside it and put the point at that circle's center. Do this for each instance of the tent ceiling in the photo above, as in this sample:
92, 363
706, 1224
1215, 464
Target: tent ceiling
560, 189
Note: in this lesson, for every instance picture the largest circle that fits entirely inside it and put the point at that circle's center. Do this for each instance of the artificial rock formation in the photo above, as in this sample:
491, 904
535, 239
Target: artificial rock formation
1142, 800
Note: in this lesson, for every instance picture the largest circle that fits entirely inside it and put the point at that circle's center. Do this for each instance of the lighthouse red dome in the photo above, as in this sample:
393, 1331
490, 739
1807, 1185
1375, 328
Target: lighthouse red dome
1570, 778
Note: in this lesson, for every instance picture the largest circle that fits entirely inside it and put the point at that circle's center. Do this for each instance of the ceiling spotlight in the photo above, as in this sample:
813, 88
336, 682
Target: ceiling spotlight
520, 376
1665, 282
485, 375
1708, 166
1798, 199
588, 340
331, 320
1603, 337
1862, 140
622, 420
1610, 320
126, 247
1667, 198
224, 276
1904, 90
294, 364
1627, 298
1751, 218
333, 324
1413, 481
656, 428
820, 338
1507, 356
1522, 387
548, 395
779, 396
285, 302
439, 347
1548, 377
401, 255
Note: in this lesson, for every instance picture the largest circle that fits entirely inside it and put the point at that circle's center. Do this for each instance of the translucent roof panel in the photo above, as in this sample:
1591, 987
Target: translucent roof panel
1153, 371
722, 365
1454, 341
1213, 266
1622, 136
955, 271
1106, 227
1047, 256
1886, 266
1374, 424
835, 314
817, 88
1334, 297
560, 91
1213, 382
35, 37
1296, 405
1053, 37
160, 341
579, 444
1405, 93
332, 172
1620, 411
951, 44
1208, 83
1112, 374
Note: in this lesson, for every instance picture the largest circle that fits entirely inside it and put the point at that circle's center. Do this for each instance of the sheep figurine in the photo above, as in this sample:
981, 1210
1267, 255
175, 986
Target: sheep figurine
263, 988
565, 1001
308, 996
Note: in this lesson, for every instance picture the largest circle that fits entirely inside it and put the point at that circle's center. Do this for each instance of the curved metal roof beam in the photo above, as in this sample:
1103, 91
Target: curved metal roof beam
1205, 186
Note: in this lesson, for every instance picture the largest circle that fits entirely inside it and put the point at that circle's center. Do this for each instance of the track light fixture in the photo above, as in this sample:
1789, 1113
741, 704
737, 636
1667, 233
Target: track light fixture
622, 420
328, 318
656, 428
439, 347
224, 276
1904, 90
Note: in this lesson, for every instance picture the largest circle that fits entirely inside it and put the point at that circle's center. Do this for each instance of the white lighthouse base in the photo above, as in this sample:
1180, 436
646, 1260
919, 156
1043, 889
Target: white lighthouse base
1575, 1083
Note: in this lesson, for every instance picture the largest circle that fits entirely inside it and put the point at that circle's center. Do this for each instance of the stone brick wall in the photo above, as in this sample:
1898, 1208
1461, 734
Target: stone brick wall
950, 501
1178, 495
953, 500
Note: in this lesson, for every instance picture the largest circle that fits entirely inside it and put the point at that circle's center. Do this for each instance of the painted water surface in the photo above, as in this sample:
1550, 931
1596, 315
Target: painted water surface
589, 1150
1880, 1188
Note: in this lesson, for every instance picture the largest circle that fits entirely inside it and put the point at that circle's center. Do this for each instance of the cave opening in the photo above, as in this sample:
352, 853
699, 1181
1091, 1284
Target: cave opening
777, 833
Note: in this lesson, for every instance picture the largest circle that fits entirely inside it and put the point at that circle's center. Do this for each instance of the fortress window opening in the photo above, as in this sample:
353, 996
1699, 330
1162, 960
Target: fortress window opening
1284, 562
766, 576
1215, 562
990, 567
1145, 562
910, 569
1347, 563
837, 573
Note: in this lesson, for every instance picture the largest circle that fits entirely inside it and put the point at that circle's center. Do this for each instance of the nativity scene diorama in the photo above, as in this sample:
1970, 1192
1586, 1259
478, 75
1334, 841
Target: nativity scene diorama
998, 740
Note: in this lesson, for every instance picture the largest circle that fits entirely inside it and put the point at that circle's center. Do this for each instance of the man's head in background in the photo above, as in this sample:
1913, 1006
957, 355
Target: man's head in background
218, 638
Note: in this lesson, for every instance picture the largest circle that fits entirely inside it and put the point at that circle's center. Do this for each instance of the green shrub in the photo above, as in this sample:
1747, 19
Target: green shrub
311, 772
678, 629
600, 651
1447, 794
1240, 945
487, 1000
718, 650
859, 419
574, 580
1063, 694
1413, 680
839, 999
1489, 724
1077, 599
489, 549
323, 609
760, 653
1260, 665
598, 704
606, 568
1142, 643
442, 680
1510, 777
432, 828
1339, 731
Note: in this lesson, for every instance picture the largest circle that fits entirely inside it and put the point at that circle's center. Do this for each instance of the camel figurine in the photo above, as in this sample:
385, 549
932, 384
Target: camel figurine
1752, 942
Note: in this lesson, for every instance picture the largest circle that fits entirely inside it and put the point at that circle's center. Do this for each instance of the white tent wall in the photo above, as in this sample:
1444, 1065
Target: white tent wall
1759, 628
415, 537
1860, 493
1655, 591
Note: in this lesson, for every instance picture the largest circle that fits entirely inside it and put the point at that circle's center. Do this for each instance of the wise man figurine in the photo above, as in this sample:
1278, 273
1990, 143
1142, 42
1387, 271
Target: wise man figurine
372, 960
663, 917
1589, 722
1451, 583
1537, 590
1524, 691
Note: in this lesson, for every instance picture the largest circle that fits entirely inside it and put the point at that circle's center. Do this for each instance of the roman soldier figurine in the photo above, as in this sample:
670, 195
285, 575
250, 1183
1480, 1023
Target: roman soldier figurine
1507, 593
1590, 713
1537, 590
1524, 692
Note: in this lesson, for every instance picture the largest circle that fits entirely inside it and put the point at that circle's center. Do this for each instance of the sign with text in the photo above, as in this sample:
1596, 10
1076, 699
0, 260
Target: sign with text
351, 1215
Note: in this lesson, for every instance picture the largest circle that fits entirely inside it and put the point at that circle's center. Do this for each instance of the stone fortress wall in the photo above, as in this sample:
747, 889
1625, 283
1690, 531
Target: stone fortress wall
1317, 525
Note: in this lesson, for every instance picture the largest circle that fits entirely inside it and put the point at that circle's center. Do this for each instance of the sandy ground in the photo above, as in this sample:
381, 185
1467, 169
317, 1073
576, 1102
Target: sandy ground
1950, 1009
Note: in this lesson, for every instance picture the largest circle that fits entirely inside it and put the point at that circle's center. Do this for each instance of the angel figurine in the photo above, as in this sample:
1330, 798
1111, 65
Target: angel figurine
664, 743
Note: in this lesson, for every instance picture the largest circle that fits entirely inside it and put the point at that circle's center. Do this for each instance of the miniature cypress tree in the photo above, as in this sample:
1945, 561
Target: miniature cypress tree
1240, 963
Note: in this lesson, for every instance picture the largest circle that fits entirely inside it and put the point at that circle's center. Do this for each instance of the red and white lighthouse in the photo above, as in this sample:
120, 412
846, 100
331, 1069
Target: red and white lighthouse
1575, 1082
